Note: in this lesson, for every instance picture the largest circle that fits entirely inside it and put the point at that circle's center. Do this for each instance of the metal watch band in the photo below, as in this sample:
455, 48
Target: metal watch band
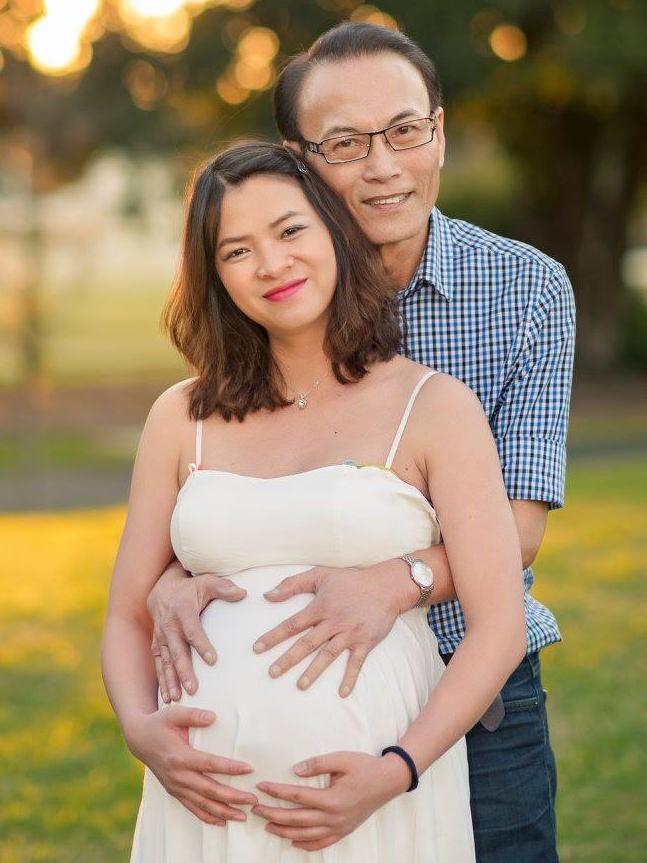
425, 592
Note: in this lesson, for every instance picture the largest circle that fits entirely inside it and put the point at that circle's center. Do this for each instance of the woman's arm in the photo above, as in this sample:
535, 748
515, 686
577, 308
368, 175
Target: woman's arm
482, 545
457, 454
158, 738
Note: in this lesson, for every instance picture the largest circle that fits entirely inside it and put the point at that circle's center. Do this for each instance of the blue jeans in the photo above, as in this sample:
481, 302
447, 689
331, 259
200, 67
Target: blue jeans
513, 778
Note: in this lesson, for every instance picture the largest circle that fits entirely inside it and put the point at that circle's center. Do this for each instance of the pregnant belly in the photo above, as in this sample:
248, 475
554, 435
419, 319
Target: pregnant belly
271, 723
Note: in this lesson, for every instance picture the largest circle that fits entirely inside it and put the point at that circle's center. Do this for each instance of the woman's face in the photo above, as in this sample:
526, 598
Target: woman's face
275, 256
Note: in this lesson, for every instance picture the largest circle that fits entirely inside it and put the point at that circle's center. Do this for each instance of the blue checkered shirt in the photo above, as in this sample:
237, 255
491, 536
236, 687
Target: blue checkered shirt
500, 316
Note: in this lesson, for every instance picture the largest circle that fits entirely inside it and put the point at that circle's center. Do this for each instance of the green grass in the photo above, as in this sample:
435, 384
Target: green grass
69, 791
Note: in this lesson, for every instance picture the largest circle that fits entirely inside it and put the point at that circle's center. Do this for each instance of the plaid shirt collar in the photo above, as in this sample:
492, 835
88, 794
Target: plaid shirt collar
434, 270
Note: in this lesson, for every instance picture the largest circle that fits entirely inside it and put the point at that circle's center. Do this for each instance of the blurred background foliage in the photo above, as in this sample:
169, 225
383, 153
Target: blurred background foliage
105, 108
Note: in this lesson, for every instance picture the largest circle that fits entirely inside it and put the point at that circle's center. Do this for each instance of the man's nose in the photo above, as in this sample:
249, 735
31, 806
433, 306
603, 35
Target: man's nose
382, 162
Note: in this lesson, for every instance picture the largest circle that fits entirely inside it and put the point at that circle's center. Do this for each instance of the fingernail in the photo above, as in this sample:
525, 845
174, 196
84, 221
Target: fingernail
240, 817
188, 685
165, 697
246, 766
344, 691
260, 646
300, 768
275, 670
175, 694
304, 683
270, 592
207, 716
210, 657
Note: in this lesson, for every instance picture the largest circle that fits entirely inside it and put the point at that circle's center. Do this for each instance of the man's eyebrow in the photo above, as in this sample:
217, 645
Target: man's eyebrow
341, 130
273, 224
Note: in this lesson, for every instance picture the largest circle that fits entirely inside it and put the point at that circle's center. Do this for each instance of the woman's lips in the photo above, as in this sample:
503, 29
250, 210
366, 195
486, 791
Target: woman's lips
284, 291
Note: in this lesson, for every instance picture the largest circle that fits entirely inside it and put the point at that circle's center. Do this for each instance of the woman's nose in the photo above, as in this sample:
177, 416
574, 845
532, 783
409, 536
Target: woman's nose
273, 263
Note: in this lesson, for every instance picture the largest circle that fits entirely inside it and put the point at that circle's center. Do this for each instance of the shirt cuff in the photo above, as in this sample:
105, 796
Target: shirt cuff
533, 469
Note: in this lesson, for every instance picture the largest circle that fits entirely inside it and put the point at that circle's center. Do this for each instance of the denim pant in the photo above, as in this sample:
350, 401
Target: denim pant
513, 778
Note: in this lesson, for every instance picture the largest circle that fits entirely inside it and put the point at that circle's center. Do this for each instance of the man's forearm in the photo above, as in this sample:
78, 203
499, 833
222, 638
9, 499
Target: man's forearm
405, 592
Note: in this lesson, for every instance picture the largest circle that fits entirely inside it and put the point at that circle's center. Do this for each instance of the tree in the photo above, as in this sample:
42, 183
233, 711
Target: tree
561, 83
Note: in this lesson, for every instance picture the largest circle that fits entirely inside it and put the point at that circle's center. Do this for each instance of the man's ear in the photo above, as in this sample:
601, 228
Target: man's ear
440, 133
294, 146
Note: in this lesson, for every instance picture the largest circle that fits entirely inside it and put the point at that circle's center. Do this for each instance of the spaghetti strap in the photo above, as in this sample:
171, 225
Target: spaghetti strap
405, 417
198, 447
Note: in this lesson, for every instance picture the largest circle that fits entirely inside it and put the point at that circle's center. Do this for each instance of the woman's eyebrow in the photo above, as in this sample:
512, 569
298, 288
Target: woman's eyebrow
273, 224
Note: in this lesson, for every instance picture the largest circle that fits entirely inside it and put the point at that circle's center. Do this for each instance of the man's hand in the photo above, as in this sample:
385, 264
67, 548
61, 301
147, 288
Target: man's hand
174, 604
161, 741
353, 609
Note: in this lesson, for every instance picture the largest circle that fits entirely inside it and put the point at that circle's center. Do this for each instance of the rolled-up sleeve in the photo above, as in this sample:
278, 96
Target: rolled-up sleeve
531, 419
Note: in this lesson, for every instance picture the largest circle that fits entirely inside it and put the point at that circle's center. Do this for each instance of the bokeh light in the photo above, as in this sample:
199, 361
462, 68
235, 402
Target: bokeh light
153, 8
54, 41
372, 15
508, 42
52, 45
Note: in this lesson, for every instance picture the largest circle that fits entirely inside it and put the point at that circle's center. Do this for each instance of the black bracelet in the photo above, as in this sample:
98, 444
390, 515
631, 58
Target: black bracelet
409, 760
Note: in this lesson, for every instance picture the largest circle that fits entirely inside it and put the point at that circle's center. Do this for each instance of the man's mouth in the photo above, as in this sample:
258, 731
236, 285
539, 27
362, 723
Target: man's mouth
388, 200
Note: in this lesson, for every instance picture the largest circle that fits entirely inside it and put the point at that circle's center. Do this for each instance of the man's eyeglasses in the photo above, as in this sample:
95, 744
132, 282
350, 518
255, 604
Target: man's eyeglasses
357, 145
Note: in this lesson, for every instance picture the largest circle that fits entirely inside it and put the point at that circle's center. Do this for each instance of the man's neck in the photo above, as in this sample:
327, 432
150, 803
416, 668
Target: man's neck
402, 259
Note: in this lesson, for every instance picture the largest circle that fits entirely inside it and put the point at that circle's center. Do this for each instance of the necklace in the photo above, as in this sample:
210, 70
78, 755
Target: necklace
302, 398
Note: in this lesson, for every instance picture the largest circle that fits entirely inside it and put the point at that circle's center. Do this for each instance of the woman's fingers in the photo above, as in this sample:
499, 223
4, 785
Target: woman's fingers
304, 795
208, 763
301, 834
289, 817
214, 807
202, 814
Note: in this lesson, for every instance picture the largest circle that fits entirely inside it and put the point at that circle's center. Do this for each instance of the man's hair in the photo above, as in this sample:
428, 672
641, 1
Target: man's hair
236, 371
344, 42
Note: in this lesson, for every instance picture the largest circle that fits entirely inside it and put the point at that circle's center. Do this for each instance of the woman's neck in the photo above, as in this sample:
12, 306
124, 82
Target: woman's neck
300, 359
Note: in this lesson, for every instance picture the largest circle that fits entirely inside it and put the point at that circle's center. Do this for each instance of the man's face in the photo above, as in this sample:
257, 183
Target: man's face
390, 192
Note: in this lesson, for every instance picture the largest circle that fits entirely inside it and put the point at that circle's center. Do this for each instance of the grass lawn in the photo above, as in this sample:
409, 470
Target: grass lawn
69, 790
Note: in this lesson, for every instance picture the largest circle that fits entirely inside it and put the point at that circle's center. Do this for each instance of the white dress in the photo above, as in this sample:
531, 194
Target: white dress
256, 532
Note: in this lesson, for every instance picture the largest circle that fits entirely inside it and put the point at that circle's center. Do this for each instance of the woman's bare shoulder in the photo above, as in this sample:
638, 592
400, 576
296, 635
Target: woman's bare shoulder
444, 401
170, 410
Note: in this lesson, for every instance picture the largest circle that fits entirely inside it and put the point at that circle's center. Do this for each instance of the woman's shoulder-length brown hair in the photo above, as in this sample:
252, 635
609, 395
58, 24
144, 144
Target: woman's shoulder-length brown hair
236, 372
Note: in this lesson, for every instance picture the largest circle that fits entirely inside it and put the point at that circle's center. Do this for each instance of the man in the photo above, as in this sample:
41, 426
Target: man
362, 108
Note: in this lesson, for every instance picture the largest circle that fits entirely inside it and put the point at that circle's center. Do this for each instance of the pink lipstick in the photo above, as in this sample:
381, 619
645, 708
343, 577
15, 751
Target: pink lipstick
284, 291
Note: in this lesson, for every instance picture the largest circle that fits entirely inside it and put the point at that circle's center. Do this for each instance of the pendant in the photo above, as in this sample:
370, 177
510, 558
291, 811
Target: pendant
302, 403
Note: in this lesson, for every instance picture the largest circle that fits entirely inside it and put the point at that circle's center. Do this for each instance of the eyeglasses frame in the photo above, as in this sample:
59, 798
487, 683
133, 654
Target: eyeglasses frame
314, 147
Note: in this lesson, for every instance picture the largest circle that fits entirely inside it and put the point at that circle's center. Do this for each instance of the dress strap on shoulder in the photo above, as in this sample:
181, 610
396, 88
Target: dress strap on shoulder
405, 417
198, 447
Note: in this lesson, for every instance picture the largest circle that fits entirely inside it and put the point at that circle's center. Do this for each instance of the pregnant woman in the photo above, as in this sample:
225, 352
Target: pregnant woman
305, 440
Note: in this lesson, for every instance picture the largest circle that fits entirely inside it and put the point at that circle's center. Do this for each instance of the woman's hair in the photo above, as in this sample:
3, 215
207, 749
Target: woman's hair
236, 372
346, 41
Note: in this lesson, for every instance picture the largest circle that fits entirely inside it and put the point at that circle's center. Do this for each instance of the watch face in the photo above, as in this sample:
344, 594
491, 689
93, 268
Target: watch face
422, 574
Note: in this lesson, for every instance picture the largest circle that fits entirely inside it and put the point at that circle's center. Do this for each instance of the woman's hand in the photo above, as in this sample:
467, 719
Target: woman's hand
359, 784
161, 741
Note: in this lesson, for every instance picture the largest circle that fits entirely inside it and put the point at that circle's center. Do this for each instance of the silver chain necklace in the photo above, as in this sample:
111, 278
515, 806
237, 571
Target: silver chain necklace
302, 398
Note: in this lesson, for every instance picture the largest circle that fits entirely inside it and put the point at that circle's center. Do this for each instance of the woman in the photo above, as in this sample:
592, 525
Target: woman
274, 459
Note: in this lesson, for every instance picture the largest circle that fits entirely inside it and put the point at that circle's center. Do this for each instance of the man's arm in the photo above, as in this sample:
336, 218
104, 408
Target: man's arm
355, 609
376, 595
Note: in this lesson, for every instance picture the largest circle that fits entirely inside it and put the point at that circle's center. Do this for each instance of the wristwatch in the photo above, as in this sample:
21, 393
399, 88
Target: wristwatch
422, 575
